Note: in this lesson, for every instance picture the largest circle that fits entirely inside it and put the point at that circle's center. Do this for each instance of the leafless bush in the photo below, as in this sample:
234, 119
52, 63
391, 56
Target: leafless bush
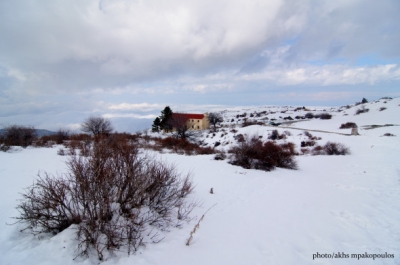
18, 135
287, 133
388, 134
61, 136
348, 125
44, 141
336, 149
308, 134
248, 122
220, 156
80, 137
323, 116
331, 148
61, 152
182, 146
309, 115
276, 136
307, 143
239, 138
382, 108
112, 197
253, 153
318, 150
311, 137
305, 151
363, 109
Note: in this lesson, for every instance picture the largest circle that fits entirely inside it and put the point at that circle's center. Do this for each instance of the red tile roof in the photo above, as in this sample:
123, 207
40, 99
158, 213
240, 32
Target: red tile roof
188, 116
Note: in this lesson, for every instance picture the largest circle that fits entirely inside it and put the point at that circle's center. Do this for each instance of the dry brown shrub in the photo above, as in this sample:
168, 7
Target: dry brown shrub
348, 125
253, 153
112, 196
331, 148
18, 135
183, 146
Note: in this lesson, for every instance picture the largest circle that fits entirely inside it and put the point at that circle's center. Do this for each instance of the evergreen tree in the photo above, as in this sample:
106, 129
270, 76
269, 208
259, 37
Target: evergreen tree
165, 119
156, 125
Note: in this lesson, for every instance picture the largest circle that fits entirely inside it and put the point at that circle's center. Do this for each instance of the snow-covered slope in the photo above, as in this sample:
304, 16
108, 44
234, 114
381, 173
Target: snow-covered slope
332, 204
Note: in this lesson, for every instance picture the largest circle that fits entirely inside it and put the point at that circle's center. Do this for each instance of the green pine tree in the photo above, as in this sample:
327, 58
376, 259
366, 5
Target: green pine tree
165, 119
156, 125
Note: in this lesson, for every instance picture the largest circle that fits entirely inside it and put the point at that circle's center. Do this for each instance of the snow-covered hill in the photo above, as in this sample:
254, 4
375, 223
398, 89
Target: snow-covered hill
346, 205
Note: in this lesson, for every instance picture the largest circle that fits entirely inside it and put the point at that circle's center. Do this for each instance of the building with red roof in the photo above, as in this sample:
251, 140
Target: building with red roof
190, 120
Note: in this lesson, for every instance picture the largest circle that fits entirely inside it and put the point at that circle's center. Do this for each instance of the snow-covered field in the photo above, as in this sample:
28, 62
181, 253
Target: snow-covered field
331, 205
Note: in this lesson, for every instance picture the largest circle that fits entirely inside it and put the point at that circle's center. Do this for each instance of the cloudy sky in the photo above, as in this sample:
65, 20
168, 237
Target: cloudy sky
64, 60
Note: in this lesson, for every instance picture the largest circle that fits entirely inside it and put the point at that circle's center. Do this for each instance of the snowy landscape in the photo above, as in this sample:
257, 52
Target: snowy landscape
334, 209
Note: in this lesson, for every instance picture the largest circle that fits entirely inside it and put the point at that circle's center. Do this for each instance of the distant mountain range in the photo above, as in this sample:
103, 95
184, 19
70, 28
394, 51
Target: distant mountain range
39, 132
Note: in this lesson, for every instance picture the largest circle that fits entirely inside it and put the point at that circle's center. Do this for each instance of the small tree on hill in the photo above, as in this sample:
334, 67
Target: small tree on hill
214, 118
156, 125
178, 122
97, 126
165, 119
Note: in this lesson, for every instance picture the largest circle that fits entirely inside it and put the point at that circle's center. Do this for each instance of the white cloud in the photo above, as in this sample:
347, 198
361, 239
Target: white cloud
140, 106
16, 74
327, 75
135, 116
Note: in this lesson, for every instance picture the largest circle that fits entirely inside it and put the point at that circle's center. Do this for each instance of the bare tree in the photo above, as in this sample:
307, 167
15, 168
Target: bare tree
97, 126
214, 118
178, 121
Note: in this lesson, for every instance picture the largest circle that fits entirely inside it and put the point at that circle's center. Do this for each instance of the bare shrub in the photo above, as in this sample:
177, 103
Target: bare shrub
330, 148
363, 109
220, 156
80, 137
382, 108
323, 116
61, 136
308, 134
18, 135
276, 136
311, 137
336, 149
287, 133
183, 146
318, 150
4, 147
389, 134
309, 115
348, 125
307, 143
239, 138
44, 141
305, 151
61, 152
248, 122
112, 197
253, 153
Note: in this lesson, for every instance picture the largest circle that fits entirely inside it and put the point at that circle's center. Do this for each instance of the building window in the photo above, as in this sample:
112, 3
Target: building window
198, 127
192, 126
198, 120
